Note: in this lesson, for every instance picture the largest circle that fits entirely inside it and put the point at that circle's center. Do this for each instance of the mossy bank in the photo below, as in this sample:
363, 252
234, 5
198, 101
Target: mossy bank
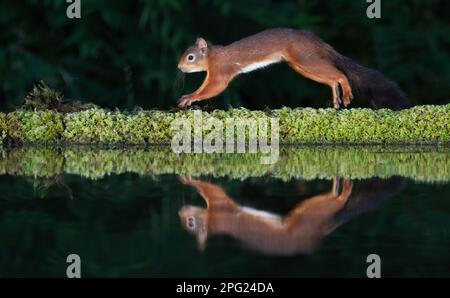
417, 125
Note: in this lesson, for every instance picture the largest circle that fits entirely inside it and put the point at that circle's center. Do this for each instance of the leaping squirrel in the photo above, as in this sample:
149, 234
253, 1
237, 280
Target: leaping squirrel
303, 51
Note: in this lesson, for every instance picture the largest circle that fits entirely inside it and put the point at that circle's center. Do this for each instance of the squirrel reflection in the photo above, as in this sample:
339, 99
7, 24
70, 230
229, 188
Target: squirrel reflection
299, 231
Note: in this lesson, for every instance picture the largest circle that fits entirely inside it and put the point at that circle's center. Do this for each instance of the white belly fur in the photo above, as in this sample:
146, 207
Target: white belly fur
262, 214
260, 64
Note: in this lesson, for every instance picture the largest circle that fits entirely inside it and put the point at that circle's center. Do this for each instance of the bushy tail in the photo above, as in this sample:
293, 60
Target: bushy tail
368, 195
371, 84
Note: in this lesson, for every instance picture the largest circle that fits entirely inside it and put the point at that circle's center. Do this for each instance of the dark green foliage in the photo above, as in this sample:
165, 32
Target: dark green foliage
124, 53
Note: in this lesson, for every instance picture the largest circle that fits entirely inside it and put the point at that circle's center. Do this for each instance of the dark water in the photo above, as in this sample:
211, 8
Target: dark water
175, 221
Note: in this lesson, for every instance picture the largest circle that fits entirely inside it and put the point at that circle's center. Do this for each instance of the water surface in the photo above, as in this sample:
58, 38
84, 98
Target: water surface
147, 212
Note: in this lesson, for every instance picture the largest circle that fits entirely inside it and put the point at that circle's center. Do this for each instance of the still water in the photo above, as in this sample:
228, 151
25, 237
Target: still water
318, 212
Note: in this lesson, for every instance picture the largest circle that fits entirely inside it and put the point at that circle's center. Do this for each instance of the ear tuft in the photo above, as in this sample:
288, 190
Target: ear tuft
202, 45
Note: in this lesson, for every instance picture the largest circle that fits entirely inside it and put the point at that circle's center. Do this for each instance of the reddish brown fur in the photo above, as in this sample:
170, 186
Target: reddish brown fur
297, 232
302, 50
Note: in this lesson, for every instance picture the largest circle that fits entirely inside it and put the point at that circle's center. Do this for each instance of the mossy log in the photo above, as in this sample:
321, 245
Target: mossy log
417, 125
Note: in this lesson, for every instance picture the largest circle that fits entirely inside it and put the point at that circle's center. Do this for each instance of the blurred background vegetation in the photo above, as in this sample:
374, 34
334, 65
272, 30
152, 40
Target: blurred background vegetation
124, 53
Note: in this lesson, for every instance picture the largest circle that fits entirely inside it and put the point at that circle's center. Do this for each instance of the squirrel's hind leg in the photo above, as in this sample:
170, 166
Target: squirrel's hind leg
336, 95
322, 71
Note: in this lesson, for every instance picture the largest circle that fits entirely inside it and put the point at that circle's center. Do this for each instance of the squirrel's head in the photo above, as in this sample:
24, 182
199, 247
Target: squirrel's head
194, 58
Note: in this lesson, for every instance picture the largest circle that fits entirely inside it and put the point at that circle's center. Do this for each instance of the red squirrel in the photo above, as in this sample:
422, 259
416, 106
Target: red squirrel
303, 51
298, 232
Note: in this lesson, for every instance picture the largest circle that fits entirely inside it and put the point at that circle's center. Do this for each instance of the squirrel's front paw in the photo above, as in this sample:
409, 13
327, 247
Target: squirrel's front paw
188, 180
185, 101
185, 179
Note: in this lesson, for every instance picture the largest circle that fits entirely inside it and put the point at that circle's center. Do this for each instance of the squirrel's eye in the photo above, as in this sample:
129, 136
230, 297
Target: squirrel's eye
191, 222
190, 58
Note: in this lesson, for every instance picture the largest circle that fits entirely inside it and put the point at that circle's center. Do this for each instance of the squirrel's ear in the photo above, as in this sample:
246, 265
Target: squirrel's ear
202, 45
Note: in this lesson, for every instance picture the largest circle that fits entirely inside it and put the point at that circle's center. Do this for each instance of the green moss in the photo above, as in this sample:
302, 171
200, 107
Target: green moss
95, 126
418, 125
39, 127
3, 127
32, 162
43, 98
422, 124
428, 164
